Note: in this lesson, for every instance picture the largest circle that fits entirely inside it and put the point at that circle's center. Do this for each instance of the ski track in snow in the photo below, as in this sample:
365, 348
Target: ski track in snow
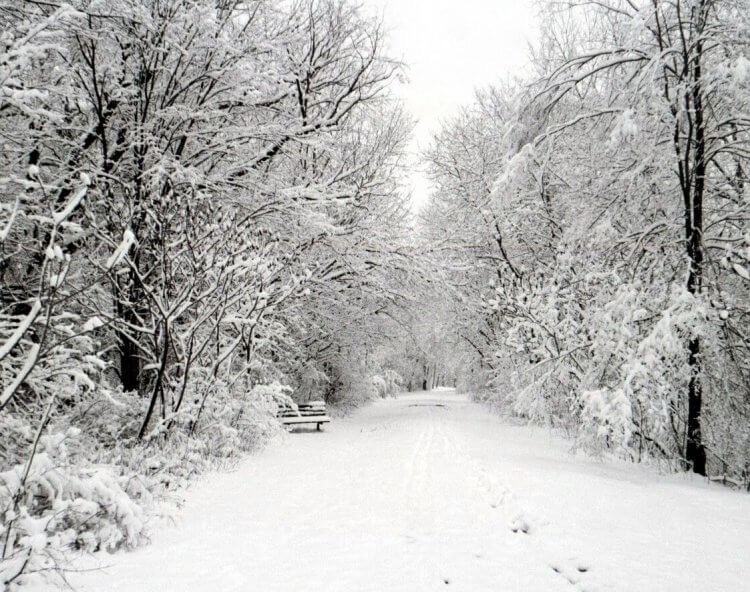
431, 492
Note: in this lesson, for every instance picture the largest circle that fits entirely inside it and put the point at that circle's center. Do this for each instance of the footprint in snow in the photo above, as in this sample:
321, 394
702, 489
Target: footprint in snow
558, 569
580, 565
573, 572
521, 523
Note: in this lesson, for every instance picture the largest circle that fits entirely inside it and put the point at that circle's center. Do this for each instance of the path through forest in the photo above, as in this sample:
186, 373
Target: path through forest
432, 492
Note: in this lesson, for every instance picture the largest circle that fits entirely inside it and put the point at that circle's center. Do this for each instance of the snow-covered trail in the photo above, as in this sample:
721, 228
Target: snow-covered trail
431, 492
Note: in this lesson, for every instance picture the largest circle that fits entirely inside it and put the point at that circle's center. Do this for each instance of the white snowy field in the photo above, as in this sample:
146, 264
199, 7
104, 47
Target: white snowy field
431, 492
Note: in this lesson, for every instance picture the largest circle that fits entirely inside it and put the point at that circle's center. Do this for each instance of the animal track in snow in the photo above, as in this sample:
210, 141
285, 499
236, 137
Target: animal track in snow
573, 572
521, 523
542, 537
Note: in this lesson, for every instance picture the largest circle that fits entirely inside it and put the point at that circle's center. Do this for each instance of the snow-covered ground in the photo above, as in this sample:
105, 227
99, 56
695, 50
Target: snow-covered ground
432, 492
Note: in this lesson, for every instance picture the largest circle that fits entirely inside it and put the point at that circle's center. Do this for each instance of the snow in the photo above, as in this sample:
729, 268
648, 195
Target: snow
625, 128
28, 366
75, 201
93, 323
21, 330
741, 271
128, 240
432, 492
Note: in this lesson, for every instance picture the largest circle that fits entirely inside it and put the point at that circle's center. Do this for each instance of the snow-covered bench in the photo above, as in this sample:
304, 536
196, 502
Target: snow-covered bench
312, 412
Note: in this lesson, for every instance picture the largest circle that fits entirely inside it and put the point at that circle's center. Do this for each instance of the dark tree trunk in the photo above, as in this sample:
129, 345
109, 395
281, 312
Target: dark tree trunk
693, 191
130, 362
695, 452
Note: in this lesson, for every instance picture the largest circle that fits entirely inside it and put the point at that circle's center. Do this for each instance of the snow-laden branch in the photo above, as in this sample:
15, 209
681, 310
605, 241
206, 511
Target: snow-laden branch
21, 330
31, 359
128, 240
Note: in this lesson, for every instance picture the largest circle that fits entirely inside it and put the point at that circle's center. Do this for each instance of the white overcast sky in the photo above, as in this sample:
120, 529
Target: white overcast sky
452, 47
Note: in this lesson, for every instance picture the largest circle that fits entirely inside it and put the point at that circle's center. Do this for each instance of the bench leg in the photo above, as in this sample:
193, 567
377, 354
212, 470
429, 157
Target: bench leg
318, 427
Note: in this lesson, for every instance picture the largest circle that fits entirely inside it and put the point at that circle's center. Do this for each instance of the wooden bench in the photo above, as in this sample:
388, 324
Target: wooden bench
312, 412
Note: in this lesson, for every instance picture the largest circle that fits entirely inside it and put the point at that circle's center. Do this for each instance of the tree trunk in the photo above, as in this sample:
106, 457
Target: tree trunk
693, 189
130, 362
158, 387
695, 452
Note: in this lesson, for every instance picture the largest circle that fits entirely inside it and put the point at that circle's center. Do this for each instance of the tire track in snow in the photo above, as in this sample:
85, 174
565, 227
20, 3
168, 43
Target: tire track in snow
416, 472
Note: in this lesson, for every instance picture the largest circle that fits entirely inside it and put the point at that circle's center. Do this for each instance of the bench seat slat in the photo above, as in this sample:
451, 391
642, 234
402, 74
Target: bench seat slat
308, 419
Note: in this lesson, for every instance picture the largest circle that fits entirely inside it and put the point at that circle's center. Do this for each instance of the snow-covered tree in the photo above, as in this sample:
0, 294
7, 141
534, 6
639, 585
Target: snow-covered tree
200, 214
603, 249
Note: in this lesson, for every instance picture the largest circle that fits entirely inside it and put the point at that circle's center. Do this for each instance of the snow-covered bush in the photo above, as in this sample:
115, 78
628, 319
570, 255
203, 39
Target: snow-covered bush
233, 421
387, 384
606, 420
380, 386
88, 484
57, 502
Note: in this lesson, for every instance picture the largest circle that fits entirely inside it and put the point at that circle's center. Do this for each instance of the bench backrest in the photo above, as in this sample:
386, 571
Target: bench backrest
310, 409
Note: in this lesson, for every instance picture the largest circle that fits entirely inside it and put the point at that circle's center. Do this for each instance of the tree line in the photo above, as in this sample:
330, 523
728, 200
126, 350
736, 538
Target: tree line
592, 223
200, 214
